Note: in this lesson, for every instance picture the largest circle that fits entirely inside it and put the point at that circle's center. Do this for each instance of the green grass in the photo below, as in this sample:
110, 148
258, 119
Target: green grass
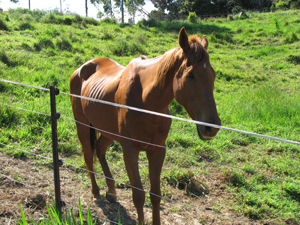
257, 63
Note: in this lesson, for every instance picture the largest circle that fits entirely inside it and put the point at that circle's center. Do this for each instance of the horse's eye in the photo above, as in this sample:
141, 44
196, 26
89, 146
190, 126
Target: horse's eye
191, 76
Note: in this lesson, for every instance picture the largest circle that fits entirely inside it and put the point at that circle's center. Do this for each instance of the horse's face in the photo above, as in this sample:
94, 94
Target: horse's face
194, 83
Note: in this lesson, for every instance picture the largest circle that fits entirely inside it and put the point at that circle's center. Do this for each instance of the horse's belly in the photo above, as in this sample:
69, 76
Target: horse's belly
147, 128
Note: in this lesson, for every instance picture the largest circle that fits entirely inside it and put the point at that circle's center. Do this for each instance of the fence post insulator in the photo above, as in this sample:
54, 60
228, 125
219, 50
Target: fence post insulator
57, 115
56, 91
60, 162
62, 203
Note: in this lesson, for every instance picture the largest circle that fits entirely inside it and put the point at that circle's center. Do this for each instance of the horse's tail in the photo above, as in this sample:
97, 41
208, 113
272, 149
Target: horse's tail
92, 136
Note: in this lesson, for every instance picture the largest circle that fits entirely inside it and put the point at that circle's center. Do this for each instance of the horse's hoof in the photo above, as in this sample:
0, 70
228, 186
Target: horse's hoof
111, 197
97, 197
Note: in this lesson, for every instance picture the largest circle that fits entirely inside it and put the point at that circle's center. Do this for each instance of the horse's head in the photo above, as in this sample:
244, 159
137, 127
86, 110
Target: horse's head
193, 84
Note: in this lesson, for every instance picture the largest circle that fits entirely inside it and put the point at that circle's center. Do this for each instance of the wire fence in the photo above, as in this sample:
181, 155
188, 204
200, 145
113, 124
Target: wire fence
157, 114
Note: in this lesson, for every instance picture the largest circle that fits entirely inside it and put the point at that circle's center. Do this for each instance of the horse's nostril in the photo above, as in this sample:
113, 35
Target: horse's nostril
208, 129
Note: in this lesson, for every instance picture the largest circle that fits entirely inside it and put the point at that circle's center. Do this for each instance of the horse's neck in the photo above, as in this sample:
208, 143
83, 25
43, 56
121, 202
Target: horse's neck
159, 94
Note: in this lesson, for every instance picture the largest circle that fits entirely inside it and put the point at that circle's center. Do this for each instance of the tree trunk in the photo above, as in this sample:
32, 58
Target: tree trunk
60, 7
86, 8
29, 4
122, 9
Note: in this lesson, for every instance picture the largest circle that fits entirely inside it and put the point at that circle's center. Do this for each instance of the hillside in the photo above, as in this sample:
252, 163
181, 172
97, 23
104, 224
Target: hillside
257, 62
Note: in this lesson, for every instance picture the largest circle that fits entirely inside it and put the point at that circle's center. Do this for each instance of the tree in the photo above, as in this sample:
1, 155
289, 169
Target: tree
94, 2
16, 1
107, 6
200, 7
133, 6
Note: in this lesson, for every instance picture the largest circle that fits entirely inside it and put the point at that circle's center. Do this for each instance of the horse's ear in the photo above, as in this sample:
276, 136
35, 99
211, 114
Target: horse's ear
204, 42
183, 40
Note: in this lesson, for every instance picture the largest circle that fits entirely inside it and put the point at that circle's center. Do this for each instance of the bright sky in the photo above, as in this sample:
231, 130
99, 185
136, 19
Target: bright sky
74, 6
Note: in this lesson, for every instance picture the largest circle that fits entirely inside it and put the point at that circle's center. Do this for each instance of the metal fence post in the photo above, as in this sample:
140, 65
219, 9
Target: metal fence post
54, 116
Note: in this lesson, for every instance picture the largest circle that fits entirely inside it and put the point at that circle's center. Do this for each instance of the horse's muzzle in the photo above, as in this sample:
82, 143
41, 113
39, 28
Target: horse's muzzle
207, 132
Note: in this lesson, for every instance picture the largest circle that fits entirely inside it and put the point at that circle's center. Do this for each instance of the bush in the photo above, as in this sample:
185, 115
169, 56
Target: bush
273, 8
192, 18
281, 5
7, 116
6, 16
64, 44
230, 18
77, 18
67, 20
26, 26
3, 25
4, 58
291, 38
26, 47
148, 23
91, 21
108, 20
295, 59
126, 48
43, 43
295, 4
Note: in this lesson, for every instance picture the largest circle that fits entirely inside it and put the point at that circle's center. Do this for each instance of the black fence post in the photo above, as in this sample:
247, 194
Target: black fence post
54, 116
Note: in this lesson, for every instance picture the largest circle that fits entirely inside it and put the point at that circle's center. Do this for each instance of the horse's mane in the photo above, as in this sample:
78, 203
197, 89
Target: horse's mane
196, 55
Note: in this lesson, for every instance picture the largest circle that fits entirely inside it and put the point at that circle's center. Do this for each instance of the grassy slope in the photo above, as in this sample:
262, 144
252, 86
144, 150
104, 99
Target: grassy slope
257, 62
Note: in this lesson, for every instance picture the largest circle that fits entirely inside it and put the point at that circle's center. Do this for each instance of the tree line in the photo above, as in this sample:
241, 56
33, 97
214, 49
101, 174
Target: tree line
180, 9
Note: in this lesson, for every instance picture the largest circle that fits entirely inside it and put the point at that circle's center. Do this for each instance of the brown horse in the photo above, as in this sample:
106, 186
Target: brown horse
183, 73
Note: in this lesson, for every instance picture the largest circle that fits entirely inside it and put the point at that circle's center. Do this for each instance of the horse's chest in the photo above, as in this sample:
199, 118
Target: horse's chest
147, 127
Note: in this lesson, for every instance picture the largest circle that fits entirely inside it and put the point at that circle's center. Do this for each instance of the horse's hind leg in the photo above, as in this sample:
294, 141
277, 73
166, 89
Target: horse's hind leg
84, 137
101, 147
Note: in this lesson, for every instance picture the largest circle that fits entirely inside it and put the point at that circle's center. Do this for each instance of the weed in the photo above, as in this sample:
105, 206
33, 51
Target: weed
179, 178
26, 26
291, 38
8, 116
64, 44
235, 178
4, 58
295, 59
26, 46
192, 18
44, 42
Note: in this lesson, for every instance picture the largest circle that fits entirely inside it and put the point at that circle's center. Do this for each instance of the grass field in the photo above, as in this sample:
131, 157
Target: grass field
257, 62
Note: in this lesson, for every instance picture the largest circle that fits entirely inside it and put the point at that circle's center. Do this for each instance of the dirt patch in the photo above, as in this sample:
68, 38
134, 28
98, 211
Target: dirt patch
182, 209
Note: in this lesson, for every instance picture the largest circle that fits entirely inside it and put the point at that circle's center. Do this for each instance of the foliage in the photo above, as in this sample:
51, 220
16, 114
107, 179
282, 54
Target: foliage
149, 23
54, 218
192, 18
295, 59
295, 4
3, 25
281, 5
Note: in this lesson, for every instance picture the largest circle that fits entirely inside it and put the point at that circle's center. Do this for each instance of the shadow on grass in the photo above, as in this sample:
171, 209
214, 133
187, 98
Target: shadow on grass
115, 211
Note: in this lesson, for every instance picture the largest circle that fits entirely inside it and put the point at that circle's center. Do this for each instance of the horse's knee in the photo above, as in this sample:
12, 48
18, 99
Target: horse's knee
138, 198
155, 199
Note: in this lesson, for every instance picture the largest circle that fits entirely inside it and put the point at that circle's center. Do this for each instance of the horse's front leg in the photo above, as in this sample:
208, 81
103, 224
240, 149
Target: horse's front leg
131, 156
156, 158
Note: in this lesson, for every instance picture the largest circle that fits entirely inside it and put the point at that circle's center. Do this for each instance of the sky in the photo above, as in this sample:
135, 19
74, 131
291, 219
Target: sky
74, 6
